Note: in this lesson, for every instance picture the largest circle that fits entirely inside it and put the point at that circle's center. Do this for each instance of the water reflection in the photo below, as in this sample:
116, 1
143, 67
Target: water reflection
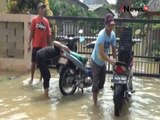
18, 101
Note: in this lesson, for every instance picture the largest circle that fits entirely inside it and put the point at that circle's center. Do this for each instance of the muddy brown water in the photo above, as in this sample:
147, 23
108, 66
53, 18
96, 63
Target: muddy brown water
19, 101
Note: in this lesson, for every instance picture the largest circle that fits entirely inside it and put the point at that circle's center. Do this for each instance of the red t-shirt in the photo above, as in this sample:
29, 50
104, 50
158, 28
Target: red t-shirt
41, 30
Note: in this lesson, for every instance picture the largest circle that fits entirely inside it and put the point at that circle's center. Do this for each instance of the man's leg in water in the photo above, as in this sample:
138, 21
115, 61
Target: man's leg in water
33, 65
45, 74
32, 71
102, 77
96, 72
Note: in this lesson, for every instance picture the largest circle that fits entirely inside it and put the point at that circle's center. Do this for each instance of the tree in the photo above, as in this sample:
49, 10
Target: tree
22, 6
68, 8
139, 3
54, 7
48, 10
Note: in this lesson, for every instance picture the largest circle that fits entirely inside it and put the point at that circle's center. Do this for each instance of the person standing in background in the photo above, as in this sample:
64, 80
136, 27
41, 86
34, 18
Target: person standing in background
40, 36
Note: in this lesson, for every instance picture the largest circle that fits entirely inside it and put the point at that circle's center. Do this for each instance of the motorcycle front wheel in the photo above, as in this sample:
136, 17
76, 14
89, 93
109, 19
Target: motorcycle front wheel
67, 82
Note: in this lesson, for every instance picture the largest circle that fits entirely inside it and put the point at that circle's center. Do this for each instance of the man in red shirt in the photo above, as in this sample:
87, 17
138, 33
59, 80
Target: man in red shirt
40, 35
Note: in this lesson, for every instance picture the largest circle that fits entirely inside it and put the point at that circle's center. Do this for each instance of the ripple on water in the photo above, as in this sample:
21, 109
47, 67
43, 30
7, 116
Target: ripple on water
8, 110
76, 107
152, 95
147, 88
84, 107
24, 104
143, 100
15, 108
5, 112
1, 100
21, 98
18, 116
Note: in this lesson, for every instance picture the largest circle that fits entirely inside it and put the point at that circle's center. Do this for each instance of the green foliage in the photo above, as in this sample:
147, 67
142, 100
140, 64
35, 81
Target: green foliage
91, 14
155, 26
12, 6
135, 25
139, 3
66, 8
57, 8
22, 6
156, 48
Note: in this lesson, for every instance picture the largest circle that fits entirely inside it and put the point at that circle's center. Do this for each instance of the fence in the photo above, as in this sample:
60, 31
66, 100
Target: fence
145, 36
14, 32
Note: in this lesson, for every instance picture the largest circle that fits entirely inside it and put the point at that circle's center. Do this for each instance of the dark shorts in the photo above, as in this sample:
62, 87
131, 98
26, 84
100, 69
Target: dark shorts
34, 52
99, 74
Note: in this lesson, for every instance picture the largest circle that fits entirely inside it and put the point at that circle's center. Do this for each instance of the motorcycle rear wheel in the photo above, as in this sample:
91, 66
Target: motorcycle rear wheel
118, 100
67, 81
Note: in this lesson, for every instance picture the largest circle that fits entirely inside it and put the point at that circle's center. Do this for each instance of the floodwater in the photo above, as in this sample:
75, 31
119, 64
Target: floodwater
19, 101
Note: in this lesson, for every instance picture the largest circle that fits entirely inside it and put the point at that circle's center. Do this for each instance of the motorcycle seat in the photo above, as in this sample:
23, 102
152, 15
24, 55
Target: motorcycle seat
81, 58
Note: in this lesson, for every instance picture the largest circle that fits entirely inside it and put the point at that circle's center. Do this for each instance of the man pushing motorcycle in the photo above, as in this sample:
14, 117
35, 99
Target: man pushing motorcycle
42, 56
105, 39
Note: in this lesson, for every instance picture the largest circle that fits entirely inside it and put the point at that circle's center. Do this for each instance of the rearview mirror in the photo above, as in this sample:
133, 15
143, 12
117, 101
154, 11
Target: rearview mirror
80, 31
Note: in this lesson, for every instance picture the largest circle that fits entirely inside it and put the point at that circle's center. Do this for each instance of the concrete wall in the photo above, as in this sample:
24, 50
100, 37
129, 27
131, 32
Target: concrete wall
14, 35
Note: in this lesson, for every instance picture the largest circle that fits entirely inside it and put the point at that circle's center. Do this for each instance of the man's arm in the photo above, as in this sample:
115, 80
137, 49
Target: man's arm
32, 28
103, 54
60, 45
30, 40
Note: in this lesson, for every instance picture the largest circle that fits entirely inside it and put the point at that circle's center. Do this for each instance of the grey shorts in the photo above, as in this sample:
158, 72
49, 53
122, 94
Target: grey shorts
99, 74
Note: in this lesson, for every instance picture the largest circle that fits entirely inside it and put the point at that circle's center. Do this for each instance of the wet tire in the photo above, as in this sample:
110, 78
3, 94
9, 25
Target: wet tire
67, 81
118, 100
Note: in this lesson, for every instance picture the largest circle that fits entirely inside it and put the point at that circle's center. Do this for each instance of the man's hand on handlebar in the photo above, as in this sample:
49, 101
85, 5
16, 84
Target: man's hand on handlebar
113, 61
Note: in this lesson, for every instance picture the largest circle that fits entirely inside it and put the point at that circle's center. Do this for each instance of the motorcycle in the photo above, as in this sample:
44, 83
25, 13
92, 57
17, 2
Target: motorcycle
122, 80
75, 71
122, 72
71, 40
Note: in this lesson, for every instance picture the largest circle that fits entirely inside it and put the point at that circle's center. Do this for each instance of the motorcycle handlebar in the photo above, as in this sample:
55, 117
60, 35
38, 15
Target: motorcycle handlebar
70, 38
120, 63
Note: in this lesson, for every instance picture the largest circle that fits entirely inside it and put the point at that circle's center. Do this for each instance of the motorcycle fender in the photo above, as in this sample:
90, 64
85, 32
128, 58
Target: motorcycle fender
61, 67
118, 89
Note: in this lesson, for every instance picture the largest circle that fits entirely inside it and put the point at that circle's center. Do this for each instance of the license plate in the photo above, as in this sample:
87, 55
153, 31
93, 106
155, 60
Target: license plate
119, 79
63, 61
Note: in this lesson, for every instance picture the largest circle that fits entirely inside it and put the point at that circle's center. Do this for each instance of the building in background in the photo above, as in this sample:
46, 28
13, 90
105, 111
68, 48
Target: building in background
94, 4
